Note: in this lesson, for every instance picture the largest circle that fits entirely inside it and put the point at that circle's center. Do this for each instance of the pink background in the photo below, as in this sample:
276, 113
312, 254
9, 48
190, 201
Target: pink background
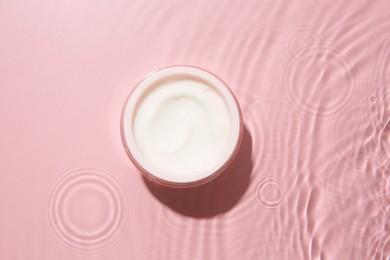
311, 180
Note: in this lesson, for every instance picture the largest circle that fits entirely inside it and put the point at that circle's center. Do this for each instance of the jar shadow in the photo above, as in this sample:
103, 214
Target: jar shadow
215, 197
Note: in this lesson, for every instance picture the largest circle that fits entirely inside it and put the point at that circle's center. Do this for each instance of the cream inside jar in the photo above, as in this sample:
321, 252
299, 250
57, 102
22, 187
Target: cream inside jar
181, 125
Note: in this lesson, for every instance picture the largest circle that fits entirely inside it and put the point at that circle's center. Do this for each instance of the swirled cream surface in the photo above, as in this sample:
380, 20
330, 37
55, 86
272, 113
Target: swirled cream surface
181, 126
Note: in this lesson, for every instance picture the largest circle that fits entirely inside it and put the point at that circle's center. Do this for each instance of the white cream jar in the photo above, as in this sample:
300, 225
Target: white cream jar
181, 126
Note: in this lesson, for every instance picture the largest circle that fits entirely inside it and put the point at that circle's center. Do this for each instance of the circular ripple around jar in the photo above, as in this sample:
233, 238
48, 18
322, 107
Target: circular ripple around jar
85, 209
275, 128
319, 82
269, 194
299, 38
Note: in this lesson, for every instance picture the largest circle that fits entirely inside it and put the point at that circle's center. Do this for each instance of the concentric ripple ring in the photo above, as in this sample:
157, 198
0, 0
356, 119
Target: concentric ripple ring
85, 209
269, 194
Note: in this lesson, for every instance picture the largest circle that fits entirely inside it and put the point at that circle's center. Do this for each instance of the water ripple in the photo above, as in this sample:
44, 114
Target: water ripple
168, 253
276, 138
374, 211
319, 81
298, 38
380, 121
375, 247
346, 176
253, 63
276, 249
269, 194
199, 238
375, 235
86, 210
264, 247
384, 64
175, 223
349, 130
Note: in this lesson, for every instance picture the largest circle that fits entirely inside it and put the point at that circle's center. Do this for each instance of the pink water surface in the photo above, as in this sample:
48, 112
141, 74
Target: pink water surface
312, 178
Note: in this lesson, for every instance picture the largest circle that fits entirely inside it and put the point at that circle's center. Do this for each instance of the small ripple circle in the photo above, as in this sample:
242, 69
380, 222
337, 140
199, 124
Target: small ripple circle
372, 99
269, 194
85, 209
